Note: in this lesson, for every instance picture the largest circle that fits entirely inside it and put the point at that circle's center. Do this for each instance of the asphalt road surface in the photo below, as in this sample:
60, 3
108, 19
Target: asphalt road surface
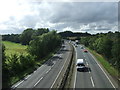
94, 76
45, 76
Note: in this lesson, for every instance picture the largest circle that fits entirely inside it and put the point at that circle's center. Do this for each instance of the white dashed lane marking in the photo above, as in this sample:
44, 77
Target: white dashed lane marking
38, 81
92, 81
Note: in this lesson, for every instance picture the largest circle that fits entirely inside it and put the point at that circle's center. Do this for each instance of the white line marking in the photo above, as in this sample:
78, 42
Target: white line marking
53, 65
19, 83
103, 71
92, 81
34, 71
27, 76
38, 81
87, 63
59, 73
48, 70
75, 68
41, 66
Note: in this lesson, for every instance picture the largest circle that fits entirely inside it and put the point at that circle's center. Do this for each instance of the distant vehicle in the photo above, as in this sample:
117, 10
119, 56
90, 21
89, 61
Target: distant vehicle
80, 65
85, 50
76, 45
76, 41
81, 47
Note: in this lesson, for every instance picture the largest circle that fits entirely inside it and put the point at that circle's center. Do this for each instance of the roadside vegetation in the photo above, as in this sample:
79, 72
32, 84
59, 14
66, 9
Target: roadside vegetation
13, 48
22, 58
105, 47
105, 63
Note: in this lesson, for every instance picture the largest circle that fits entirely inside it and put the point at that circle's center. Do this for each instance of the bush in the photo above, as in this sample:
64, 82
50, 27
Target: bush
16, 66
106, 44
42, 45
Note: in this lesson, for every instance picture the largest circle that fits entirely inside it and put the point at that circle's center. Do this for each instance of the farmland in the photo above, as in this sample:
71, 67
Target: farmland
14, 48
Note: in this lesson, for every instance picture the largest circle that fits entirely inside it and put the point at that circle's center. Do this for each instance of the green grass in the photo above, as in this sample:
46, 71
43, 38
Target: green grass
14, 48
111, 70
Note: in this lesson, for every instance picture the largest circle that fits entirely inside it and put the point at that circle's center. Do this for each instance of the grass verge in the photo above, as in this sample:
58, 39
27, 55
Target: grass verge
109, 68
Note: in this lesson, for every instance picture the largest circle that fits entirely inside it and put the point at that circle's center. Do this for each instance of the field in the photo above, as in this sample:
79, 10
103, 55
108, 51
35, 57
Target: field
12, 48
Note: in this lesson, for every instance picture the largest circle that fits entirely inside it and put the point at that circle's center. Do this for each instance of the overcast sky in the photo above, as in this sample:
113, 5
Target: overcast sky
92, 17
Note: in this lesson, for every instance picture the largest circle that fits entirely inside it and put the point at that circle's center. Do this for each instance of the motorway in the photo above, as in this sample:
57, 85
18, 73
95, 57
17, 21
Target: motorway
94, 76
46, 75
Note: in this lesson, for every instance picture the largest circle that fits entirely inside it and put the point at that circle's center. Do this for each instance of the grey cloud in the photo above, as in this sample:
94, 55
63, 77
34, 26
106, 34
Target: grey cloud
29, 21
83, 12
69, 14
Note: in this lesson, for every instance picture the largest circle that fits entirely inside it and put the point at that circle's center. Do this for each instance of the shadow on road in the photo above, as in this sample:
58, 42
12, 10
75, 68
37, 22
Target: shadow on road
57, 56
54, 58
86, 69
50, 63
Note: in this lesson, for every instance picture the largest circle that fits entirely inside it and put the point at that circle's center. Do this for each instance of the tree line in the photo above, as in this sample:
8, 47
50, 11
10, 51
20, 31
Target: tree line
26, 36
66, 34
107, 44
40, 43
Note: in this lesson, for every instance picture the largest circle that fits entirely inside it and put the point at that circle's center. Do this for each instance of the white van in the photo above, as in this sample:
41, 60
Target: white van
80, 65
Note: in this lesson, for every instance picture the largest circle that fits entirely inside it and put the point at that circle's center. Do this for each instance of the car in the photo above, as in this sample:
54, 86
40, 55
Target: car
80, 65
81, 47
85, 50
76, 45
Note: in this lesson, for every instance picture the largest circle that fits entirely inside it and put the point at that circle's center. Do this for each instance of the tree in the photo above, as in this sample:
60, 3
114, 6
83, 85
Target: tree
85, 41
11, 37
40, 31
26, 36
5, 71
106, 47
42, 45
116, 51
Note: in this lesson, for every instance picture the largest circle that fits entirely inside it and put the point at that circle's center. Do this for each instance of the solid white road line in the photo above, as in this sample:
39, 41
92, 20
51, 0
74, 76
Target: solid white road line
38, 81
103, 71
19, 83
27, 77
58, 73
34, 71
92, 81
75, 67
